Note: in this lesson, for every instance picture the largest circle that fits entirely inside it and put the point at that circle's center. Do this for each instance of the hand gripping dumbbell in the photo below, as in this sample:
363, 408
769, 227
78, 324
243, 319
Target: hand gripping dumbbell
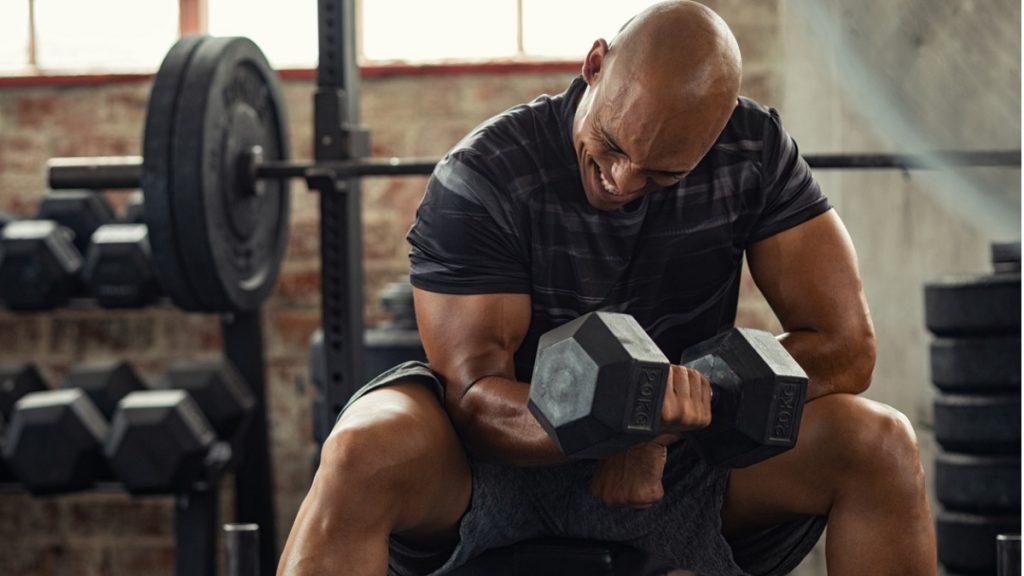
599, 382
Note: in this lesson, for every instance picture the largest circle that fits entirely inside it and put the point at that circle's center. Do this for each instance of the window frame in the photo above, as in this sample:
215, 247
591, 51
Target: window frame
193, 19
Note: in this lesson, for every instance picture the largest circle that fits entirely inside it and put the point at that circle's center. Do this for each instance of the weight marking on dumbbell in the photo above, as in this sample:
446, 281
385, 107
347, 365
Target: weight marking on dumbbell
784, 411
642, 415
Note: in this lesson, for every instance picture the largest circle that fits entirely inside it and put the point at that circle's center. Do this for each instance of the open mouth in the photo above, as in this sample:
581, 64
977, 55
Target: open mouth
608, 192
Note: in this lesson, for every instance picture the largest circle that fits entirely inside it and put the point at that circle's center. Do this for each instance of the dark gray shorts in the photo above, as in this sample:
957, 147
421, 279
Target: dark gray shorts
510, 504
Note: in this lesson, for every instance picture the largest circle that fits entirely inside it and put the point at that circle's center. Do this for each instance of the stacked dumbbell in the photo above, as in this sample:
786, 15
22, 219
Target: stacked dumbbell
74, 246
54, 442
976, 368
16, 380
102, 423
168, 439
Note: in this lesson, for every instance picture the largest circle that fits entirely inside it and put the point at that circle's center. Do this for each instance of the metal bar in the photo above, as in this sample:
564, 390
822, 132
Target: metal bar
1008, 554
254, 483
124, 172
926, 161
242, 549
341, 169
103, 172
195, 532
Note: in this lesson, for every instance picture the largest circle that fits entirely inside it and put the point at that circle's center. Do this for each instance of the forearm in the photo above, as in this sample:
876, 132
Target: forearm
834, 362
495, 424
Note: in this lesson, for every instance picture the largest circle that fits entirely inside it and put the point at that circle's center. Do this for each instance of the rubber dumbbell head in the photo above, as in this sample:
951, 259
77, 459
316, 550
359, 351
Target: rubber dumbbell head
759, 396
54, 441
17, 380
104, 382
218, 389
81, 211
598, 385
158, 441
39, 265
119, 266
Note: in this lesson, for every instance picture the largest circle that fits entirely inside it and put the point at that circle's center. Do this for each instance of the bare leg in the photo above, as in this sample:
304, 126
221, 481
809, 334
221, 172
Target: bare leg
857, 462
393, 464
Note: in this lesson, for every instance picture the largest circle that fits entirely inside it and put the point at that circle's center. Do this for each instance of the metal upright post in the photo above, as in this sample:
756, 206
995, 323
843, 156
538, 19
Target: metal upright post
195, 531
337, 137
254, 483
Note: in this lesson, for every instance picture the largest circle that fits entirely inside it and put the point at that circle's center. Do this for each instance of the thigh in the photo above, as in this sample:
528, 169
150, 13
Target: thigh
836, 434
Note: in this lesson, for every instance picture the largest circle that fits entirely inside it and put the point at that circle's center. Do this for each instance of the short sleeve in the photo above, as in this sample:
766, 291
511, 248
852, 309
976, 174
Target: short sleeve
791, 194
464, 239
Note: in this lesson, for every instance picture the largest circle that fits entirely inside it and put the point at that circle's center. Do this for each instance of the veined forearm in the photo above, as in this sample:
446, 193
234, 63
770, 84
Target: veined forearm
834, 363
495, 424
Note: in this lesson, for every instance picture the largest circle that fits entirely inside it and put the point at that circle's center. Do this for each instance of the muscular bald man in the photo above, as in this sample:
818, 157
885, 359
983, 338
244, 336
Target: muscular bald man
638, 190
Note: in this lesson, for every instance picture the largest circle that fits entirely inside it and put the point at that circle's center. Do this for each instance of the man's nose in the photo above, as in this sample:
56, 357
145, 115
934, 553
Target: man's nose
627, 179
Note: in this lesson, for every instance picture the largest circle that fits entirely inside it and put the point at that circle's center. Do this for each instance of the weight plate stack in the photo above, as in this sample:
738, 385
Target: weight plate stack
233, 235
218, 239
975, 365
158, 173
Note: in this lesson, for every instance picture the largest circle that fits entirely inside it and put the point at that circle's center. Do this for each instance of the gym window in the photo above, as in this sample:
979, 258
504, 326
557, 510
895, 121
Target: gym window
45, 37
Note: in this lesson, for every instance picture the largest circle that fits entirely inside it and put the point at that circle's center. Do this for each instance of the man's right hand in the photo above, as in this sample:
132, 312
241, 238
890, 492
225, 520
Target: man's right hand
687, 404
633, 477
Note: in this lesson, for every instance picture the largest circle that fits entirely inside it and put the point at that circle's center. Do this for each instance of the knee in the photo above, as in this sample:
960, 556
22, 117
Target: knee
383, 449
877, 441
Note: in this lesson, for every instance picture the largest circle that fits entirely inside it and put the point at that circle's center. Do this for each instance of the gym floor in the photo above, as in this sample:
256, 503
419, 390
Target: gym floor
907, 227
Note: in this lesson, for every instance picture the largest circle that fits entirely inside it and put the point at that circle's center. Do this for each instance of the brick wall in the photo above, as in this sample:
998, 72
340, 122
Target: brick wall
113, 534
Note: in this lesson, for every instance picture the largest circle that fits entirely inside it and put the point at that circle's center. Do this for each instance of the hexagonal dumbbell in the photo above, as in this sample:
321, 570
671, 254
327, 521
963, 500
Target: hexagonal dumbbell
160, 439
16, 380
55, 438
119, 266
599, 382
134, 211
80, 211
39, 265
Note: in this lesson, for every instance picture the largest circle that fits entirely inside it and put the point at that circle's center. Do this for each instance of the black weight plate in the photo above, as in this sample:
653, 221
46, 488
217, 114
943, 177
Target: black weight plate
978, 424
158, 172
978, 483
967, 542
233, 240
976, 364
973, 305
1006, 256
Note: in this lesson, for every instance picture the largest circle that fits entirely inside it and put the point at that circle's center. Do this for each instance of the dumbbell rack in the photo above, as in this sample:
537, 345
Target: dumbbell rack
197, 508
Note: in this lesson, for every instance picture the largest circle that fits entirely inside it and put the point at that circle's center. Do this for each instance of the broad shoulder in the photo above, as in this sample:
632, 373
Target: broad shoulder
747, 130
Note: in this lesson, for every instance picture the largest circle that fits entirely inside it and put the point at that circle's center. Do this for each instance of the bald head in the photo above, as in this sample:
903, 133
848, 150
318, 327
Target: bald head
658, 97
678, 47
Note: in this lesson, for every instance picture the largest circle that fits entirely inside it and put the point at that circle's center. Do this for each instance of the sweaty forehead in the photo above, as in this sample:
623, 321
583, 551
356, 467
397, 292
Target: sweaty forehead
658, 130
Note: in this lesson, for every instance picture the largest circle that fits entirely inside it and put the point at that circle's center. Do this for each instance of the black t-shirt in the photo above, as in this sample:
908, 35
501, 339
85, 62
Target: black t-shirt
505, 212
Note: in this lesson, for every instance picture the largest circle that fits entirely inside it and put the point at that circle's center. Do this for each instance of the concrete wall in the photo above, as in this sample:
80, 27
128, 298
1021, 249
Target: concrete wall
903, 236
907, 75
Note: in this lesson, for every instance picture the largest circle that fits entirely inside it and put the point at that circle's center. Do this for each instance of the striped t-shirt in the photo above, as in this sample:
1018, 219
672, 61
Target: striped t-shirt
505, 212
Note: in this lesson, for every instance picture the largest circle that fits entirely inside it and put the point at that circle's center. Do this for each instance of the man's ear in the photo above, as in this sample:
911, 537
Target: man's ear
594, 60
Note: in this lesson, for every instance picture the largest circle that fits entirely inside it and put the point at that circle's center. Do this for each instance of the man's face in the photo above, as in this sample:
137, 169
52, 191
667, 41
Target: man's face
630, 141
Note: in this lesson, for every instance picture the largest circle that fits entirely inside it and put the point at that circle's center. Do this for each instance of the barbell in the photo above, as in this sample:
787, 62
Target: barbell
215, 171
214, 174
